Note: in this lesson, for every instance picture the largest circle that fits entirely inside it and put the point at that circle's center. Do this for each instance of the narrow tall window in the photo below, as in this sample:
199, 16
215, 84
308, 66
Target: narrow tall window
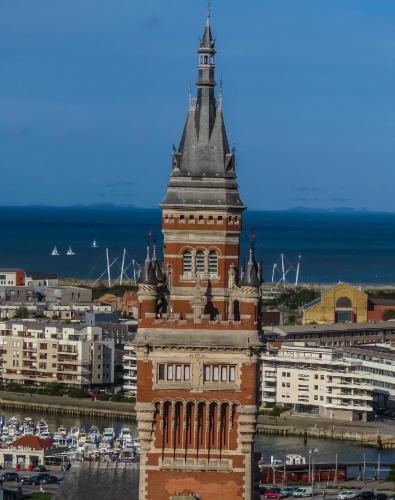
200, 261
187, 263
213, 263
161, 371
207, 373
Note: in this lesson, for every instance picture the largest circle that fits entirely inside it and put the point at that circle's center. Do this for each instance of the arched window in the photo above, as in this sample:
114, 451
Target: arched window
200, 262
205, 59
187, 263
213, 263
343, 302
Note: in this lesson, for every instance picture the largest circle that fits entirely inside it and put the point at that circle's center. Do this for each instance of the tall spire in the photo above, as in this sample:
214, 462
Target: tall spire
203, 167
147, 275
251, 276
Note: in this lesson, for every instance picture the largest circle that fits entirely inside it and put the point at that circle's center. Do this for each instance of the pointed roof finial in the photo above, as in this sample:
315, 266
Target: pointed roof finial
208, 12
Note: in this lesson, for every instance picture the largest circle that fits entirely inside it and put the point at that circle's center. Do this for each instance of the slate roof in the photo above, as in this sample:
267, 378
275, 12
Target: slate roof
251, 275
203, 171
147, 275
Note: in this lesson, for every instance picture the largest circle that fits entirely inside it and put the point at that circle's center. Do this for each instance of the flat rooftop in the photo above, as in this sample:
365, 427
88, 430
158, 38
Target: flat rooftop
332, 327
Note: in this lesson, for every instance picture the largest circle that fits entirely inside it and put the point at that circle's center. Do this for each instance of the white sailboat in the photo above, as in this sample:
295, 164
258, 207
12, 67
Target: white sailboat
94, 244
55, 251
70, 251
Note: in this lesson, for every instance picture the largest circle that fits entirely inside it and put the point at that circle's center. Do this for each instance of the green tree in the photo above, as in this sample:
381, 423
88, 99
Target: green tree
388, 314
22, 313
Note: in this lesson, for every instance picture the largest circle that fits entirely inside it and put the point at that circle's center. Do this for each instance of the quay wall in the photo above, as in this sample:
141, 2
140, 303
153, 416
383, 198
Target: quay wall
368, 439
66, 406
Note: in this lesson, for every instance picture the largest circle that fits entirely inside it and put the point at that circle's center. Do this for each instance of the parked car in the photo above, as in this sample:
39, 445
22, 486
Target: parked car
40, 468
9, 476
288, 490
365, 495
50, 480
274, 493
307, 491
381, 496
26, 480
346, 494
37, 479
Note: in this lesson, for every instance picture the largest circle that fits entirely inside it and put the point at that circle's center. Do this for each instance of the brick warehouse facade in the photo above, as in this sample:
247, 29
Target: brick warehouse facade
198, 339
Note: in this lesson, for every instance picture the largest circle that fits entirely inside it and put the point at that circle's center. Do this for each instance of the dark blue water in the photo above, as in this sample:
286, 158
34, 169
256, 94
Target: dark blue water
359, 247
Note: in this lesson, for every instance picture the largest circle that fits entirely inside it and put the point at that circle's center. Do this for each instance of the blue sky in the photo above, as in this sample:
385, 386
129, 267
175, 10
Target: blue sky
93, 93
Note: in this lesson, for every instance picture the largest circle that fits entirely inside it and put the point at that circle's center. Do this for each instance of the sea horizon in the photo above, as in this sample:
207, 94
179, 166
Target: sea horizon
358, 247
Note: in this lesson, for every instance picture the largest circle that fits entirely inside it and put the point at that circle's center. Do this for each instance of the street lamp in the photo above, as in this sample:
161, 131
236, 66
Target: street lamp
312, 454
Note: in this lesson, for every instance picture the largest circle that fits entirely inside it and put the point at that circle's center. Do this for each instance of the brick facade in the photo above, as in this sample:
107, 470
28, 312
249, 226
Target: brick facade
198, 340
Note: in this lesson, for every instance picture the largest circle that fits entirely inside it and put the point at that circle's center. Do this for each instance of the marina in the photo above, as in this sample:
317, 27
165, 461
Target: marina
72, 440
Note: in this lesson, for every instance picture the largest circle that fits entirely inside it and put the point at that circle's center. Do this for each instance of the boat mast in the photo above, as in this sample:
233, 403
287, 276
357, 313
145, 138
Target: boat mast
283, 268
108, 269
297, 271
122, 266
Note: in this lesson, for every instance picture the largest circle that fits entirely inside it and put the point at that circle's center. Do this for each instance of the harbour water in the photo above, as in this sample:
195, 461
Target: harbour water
266, 445
354, 247
122, 479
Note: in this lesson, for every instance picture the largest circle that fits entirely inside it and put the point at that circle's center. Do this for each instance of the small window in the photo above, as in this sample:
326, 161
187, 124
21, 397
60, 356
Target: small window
207, 373
201, 219
224, 373
215, 373
178, 372
187, 373
161, 374
169, 372
232, 373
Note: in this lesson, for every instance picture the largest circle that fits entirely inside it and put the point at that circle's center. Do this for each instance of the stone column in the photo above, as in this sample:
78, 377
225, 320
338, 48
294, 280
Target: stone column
145, 421
247, 424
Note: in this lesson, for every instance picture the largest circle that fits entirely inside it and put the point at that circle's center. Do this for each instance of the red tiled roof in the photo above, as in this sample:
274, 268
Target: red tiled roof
32, 442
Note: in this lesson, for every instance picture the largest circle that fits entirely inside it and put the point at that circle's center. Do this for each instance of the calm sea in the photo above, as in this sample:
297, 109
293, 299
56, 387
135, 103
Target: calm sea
357, 247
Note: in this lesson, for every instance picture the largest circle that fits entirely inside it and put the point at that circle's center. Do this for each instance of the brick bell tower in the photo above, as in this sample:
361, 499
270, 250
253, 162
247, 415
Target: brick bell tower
198, 338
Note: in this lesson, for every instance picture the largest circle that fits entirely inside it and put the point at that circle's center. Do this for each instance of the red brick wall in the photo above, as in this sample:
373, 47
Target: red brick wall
209, 485
246, 396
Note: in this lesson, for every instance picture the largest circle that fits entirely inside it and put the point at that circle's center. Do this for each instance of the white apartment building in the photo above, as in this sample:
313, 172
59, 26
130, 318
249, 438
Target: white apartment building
129, 370
40, 353
377, 363
316, 380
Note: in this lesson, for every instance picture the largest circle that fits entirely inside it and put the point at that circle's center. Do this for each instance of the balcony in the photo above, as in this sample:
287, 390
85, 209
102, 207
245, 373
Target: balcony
347, 406
363, 397
268, 399
349, 385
